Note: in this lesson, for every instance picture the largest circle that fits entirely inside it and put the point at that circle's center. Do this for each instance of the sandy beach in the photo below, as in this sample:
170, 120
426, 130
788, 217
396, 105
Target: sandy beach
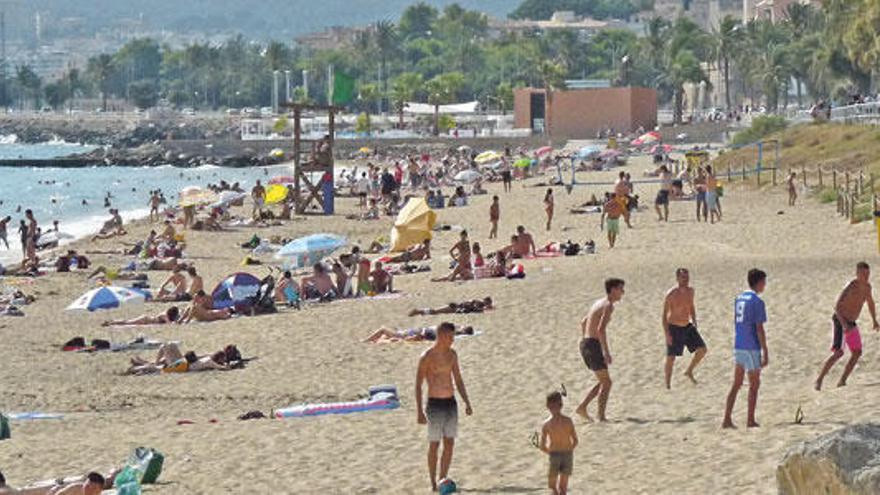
657, 441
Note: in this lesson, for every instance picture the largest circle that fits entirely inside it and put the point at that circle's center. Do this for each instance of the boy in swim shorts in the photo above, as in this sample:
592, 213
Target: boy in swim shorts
558, 440
750, 345
594, 346
843, 323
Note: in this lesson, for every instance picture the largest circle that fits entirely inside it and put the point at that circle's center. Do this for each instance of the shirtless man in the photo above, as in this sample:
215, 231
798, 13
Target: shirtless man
663, 194
178, 283
792, 188
844, 327
439, 367
92, 485
622, 188
31, 241
461, 253
680, 326
525, 244
380, 280
258, 194
611, 213
196, 284
418, 252
170, 315
594, 346
317, 285
168, 233
154, 206
494, 217
200, 310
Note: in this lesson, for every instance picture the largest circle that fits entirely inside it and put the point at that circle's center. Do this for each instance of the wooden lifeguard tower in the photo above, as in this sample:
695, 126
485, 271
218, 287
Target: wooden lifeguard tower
313, 157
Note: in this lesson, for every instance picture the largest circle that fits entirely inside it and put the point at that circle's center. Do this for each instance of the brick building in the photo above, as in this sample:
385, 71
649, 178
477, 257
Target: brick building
581, 113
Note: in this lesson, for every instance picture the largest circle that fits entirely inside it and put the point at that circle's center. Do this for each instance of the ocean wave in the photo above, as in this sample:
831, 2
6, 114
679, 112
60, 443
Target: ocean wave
8, 139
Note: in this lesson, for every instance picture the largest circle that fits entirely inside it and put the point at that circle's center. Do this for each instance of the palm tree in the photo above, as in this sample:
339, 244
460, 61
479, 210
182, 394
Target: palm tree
441, 90
369, 94
101, 68
404, 90
684, 68
387, 43
553, 77
727, 38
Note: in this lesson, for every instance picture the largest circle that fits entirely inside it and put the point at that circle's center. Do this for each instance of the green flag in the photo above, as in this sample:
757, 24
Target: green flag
343, 88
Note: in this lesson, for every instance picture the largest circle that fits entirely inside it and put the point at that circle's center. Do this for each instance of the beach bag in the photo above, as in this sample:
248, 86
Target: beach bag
149, 462
100, 344
571, 249
5, 432
126, 482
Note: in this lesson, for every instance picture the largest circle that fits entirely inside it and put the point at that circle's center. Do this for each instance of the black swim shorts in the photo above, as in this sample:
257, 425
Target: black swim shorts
682, 337
591, 351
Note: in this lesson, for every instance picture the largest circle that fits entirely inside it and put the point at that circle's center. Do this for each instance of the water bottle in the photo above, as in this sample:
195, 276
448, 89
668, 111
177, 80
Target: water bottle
74, 263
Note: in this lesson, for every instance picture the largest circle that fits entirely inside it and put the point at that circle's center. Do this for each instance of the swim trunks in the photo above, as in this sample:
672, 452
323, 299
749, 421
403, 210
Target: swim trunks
682, 337
561, 463
662, 197
852, 337
613, 225
748, 359
506, 176
442, 417
591, 351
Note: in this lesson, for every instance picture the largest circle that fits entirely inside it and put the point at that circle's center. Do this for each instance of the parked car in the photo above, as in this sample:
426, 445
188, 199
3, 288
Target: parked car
188, 111
266, 112
248, 111
232, 111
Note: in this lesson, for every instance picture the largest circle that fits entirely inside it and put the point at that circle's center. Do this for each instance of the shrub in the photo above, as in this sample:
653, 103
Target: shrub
761, 127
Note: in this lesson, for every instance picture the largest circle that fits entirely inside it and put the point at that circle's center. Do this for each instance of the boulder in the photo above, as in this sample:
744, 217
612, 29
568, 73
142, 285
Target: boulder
843, 462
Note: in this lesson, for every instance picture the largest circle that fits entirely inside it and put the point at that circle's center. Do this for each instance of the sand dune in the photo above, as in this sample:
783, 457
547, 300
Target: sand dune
658, 441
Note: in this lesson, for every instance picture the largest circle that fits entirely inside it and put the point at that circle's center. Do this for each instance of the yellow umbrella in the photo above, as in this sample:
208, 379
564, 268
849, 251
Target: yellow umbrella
487, 157
365, 150
275, 193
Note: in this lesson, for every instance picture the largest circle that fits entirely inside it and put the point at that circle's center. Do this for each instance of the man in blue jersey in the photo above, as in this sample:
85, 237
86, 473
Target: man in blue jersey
750, 345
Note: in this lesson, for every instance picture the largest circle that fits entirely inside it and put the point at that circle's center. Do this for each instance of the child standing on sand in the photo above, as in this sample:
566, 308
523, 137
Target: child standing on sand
558, 441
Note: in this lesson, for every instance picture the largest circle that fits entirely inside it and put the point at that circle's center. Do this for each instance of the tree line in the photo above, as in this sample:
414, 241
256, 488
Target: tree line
449, 55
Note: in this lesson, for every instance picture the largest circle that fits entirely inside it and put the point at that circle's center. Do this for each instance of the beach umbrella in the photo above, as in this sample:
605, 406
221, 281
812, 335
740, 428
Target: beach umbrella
487, 156
227, 197
647, 138
365, 151
235, 289
523, 163
588, 152
275, 193
283, 179
194, 196
661, 148
108, 297
543, 151
467, 176
311, 249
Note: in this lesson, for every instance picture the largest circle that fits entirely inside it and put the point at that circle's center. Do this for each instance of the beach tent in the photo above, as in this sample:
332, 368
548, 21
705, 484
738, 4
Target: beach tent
309, 250
235, 289
413, 225
275, 193
107, 298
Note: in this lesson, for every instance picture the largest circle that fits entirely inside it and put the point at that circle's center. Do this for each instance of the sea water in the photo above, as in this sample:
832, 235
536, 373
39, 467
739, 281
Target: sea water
75, 196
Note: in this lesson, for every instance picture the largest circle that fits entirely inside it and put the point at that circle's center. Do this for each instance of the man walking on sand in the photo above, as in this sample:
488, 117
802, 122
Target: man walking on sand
750, 346
611, 213
844, 327
594, 346
680, 326
258, 193
439, 367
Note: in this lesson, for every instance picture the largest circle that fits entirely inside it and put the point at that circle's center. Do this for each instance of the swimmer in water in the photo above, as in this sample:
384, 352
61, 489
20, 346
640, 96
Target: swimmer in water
107, 203
85, 203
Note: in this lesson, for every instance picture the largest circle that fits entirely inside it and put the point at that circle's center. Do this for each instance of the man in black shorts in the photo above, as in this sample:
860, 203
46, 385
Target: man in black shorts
594, 346
467, 307
680, 326
663, 194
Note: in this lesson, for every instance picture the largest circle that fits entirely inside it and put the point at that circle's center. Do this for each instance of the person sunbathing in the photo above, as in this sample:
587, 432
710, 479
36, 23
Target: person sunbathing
410, 334
178, 292
285, 284
201, 309
419, 252
92, 484
473, 306
380, 280
170, 359
343, 280
110, 274
499, 266
319, 285
170, 315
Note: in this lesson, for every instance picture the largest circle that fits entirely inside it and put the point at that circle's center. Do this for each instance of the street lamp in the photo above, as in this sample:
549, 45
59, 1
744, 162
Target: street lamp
287, 86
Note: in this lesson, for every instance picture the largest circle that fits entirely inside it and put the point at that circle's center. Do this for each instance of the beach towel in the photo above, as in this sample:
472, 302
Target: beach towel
381, 397
33, 416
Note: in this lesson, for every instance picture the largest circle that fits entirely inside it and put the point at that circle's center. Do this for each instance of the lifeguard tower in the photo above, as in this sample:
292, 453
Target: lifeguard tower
313, 158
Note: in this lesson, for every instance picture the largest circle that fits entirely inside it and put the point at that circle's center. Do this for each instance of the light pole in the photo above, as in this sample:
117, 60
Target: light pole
287, 86
275, 75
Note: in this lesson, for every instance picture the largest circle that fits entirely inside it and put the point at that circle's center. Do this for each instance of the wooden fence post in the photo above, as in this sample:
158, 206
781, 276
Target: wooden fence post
846, 175
819, 169
861, 183
839, 202
804, 172
743, 171
773, 176
728, 172
834, 178
758, 173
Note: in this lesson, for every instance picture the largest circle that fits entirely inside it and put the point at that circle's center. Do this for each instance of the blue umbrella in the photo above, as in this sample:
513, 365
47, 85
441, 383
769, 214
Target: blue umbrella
310, 249
107, 298
588, 152
234, 289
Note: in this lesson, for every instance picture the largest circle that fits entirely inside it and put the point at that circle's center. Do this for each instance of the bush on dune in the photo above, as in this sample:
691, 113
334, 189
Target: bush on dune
762, 127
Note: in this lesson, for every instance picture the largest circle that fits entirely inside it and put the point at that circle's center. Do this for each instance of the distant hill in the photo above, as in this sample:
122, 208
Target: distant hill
259, 19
